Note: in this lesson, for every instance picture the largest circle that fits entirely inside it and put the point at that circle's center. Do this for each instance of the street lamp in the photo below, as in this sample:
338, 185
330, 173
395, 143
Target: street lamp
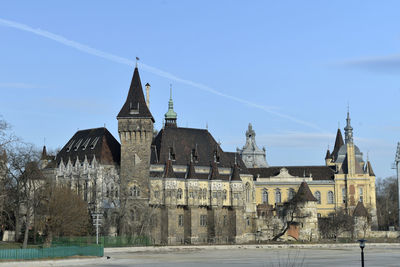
362, 246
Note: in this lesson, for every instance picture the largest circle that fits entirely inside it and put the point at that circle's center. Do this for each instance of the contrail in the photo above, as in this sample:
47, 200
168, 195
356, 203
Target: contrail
156, 71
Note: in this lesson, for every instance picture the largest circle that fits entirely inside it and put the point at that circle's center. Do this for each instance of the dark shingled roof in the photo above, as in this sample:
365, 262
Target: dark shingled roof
135, 105
235, 173
360, 210
214, 175
191, 173
317, 172
169, 170
369, 169
328, 155
304, 194
183, 141
338, 144
97, 142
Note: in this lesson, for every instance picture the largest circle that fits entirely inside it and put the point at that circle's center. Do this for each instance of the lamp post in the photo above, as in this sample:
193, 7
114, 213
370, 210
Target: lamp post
362, 246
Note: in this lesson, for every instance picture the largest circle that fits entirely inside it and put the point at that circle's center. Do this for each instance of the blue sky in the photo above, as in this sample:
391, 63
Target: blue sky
288, 67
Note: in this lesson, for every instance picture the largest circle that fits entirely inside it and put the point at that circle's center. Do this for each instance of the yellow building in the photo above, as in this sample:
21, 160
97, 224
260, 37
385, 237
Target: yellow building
344, 181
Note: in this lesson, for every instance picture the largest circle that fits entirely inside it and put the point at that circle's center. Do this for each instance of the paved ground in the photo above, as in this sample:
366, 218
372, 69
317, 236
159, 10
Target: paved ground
246, 256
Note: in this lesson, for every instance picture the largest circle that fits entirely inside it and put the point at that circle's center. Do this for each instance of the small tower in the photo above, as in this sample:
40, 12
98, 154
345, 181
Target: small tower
252, 155
170, 116
351, 158
135, 128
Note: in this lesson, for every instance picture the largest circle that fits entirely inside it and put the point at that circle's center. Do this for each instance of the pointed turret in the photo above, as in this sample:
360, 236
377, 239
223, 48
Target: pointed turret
235, 173
169, 170
360, 210
44, 153
191, 171
368, 169
170, 116
328, 155
338, 144
214, 175
348, 130
304, 194
135, 105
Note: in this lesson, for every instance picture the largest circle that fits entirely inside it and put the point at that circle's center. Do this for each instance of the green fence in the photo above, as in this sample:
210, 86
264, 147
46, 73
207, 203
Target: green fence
106, 241
53, 252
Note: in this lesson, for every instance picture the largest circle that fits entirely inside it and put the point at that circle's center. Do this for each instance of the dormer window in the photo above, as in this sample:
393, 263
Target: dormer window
194, 155
171, 154
133, 109
93, 144
216, 156
70, 145
77, 144
85, 144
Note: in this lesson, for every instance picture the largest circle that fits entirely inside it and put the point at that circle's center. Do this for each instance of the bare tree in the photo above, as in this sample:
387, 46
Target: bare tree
63, 213
386, 202
336, 224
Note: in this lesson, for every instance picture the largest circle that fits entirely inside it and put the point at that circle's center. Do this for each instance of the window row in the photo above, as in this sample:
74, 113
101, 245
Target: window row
291, 194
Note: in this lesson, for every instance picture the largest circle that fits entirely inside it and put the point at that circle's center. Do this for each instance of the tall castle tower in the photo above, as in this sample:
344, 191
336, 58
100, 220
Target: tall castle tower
135, 128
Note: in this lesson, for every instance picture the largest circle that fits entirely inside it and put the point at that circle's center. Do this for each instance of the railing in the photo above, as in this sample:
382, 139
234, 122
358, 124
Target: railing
52, 252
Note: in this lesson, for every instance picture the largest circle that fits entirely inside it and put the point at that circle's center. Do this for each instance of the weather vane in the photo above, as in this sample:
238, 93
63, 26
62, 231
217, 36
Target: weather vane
137, 59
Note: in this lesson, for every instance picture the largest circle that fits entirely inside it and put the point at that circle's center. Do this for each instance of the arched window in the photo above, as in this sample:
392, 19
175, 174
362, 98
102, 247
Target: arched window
247, 192
318, 197
278, 198
204, 193
291, 193
361, 194
179, 194
135, 192
224, 194
265, 196
330, 197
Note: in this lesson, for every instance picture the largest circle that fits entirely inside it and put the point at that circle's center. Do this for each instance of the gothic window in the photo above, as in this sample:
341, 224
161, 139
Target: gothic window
214, 194
291, 193
248, 221
179, 194
156, 194
265, 196
135, 192
330, 197
318, 197
205, 193
236, 195
200, 194
247, 192
180, 220
107, 192
132, 215
278, 198
224, 194
219, 194
203, 220
85, 191
361, 194
191, 195
344, 195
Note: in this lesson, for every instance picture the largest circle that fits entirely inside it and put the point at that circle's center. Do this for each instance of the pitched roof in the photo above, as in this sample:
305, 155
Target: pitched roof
316, 172
235, 173
96, 142
185, 141
360, 210
214, 174
338, 144
369, 169
169, 170
191, 173
304, 193
135, 105
328, 154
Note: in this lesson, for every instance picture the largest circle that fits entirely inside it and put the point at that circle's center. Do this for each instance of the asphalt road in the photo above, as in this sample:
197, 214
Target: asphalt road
374, 256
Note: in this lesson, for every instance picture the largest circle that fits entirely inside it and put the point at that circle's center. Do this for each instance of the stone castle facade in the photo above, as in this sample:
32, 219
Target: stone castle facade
180, 187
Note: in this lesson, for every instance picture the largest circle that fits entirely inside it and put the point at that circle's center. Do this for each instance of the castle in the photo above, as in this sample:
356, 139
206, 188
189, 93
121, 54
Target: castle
179, 186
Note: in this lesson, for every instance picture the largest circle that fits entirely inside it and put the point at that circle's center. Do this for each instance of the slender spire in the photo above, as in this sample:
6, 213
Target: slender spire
170, 116
348, 130
135, 105
338, 144
44, 153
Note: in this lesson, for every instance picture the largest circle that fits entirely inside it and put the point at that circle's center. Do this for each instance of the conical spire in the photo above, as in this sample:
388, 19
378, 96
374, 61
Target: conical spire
169, 170
191, 171
170, 116
348, 130
135, 105
214, 175
338, 144
304, 194
360, 210
44, 153
235, 173
368, 169
328, 154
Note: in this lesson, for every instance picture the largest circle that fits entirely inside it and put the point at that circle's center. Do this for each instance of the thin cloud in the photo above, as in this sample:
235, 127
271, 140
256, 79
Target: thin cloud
156, 71
386, 64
